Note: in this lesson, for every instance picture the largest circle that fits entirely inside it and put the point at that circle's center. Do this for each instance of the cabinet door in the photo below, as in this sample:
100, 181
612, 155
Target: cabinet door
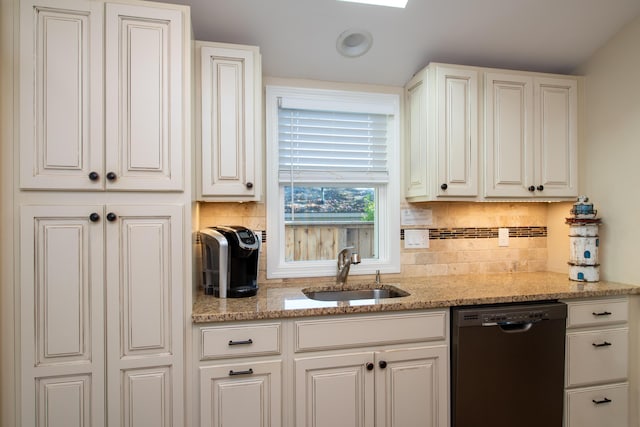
62, 338
144, 62
556, 136
60, 94
417, 176
229, 121
411, 387
334, 391
509, 135
145, 275
241, 395
457, 135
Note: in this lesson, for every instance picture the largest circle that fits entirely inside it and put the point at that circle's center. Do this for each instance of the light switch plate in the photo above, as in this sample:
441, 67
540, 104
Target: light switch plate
503, 237
416, 239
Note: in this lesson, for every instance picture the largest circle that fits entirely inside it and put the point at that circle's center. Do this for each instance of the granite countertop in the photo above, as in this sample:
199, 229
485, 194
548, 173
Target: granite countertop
277, 301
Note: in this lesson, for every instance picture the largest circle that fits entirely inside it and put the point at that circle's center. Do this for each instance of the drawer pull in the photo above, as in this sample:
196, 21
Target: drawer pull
245, 342
233, 373
602, 313
603, 344
599, 402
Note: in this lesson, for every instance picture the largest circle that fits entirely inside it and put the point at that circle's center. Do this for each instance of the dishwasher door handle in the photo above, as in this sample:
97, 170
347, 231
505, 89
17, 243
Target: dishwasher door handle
513, 327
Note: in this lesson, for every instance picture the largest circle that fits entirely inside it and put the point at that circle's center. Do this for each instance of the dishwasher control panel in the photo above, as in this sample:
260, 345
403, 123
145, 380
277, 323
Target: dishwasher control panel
503, 314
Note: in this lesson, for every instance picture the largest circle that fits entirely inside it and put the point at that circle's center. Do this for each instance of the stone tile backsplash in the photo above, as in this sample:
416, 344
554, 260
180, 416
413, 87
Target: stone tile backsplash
463, 236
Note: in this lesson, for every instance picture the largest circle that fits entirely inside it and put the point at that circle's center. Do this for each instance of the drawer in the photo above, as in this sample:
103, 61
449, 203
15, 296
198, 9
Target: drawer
597, 356
597, 406
348, 332
597, 312
239, 341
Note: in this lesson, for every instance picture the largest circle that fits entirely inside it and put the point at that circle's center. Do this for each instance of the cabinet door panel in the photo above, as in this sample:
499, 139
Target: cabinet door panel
147, 398
556, 136
64, 401
334, 390
509, 135
457, 131
61, 313
144, 128
144, 301
418, 184
250, 399
228, 121
412, 386
60, 94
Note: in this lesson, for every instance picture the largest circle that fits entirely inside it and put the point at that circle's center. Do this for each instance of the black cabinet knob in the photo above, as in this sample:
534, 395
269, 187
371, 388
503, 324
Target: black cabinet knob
532, 188
369, 366
540, 187
111, 217
249, 185
94, 217
111, 176
444, 186
382, 364
94, 176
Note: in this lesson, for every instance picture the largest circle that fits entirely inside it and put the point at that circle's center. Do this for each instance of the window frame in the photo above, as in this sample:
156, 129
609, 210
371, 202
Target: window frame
388, 203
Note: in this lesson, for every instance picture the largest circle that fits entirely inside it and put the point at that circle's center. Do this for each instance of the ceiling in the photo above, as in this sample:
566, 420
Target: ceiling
297, 38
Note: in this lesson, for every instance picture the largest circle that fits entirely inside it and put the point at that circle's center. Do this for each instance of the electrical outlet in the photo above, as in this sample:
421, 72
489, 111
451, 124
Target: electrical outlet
416, 239
503, 237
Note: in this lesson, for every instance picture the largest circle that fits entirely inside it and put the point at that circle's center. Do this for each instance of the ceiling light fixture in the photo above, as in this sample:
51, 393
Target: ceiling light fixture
389, 3
354, 43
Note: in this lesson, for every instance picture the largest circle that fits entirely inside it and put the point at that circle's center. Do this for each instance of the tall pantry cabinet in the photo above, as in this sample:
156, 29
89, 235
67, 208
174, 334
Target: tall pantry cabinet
104, 202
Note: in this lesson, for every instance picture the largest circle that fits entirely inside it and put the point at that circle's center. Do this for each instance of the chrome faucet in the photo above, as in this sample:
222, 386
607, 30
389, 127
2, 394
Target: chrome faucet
345, 259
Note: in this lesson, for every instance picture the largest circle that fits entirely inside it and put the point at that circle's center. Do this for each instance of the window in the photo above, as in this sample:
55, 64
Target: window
332, 180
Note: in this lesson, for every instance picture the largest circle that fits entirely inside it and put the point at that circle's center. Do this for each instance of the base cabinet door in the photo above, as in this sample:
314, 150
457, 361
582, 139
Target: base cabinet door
411, 387
62, 322
334, 391
597, 406
241, 395
144, 265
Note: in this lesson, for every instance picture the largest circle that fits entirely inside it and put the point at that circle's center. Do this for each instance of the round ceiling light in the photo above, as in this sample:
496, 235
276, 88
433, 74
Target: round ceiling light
354, 43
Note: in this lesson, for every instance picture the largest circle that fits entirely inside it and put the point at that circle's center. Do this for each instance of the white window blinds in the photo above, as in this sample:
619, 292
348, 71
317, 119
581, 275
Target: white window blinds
330, 146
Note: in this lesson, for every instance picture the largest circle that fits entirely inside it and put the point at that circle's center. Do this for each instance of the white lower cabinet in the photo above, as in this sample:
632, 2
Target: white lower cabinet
101, 280
378, 370
241, 394
597, 346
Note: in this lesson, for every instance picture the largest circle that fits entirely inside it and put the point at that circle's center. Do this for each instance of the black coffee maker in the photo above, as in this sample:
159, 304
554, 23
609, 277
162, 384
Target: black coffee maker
230, 261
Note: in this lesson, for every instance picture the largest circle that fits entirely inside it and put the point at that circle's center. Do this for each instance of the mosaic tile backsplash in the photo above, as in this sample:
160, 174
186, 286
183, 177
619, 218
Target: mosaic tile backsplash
463, 236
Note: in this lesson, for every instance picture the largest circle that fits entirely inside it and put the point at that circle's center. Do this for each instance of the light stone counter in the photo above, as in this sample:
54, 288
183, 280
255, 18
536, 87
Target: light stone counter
276, 301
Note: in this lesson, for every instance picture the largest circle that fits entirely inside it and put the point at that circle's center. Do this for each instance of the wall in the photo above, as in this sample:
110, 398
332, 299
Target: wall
450, 254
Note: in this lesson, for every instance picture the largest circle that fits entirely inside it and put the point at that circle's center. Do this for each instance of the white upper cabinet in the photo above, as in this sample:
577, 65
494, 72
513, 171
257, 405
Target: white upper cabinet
556, 137
229, 131
61, 105
144, 99
530, 136
89, 125
443, 134
529, 142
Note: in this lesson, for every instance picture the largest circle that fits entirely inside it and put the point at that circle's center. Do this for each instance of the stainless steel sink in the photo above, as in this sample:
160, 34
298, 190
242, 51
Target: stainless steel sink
349, 294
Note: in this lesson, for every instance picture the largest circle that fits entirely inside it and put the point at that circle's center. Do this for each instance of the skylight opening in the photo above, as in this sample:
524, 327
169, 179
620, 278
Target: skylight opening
389, 3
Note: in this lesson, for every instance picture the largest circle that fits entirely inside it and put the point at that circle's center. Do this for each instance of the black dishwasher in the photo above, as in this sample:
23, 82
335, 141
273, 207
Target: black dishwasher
507, 365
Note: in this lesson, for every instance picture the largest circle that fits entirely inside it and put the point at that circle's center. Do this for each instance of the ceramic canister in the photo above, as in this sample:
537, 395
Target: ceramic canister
584, 273
584, 250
